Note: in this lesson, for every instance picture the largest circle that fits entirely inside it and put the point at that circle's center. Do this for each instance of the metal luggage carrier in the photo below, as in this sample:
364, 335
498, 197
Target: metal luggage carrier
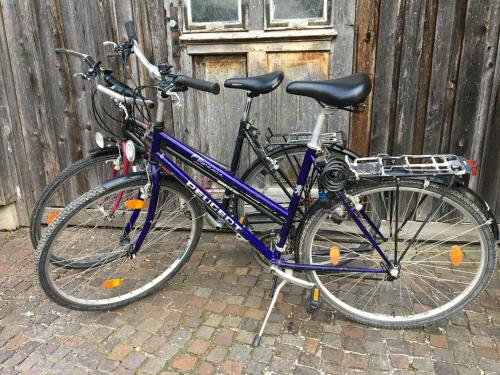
304, 137
337, 138
408, 165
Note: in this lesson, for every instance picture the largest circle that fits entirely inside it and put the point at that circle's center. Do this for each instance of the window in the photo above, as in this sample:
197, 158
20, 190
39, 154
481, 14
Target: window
297, 13
212, 15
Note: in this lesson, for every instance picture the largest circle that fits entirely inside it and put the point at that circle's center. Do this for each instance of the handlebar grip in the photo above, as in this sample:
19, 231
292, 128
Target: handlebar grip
129, 26
198, 84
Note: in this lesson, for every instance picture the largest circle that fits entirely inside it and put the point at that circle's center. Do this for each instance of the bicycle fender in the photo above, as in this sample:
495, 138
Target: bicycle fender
475, 197
110, 150
485, 207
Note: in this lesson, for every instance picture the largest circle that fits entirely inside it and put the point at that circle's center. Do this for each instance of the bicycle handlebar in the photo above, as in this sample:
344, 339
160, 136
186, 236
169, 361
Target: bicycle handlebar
87, 58
199, 84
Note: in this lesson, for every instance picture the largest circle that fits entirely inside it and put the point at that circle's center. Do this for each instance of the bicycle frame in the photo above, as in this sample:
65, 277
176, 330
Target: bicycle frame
232, 183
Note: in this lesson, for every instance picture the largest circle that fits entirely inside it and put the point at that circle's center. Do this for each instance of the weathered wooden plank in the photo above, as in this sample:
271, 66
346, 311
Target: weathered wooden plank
291, 113
343, 52
255, 14
489, 172
7, 187
217, 116
454, 70
386, 75
469, 79
367, 23
409, 77
425, 71
441, 61
12, 133
30, 92
64, 124
487, 90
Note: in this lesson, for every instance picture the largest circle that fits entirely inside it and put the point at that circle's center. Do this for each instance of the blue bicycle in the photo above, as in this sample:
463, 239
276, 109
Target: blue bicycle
391, 241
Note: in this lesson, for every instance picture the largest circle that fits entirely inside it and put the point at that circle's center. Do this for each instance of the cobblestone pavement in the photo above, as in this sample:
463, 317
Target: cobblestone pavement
204, 321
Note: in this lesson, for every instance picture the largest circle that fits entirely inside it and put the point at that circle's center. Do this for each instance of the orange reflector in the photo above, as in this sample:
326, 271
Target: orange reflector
242, 219
112, 283
334, 255
52, 217
316, 294
135, 204
456, 255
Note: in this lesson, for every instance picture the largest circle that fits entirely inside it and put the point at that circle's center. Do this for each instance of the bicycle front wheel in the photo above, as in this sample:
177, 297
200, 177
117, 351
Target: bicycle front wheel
91, 230
441, 241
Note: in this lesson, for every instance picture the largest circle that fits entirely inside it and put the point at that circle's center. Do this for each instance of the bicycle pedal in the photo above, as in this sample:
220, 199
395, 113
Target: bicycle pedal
313, 301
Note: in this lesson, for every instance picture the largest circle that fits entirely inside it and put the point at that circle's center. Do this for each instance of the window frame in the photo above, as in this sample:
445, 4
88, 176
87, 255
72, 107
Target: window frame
190, 26
297, 23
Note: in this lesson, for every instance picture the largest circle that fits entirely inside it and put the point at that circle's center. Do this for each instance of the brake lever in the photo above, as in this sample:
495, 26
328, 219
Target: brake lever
176, 99
84, 76
110, 43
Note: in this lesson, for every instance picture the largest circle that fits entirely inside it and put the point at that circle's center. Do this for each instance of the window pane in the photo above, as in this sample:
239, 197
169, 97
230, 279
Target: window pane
291, 9
214, 10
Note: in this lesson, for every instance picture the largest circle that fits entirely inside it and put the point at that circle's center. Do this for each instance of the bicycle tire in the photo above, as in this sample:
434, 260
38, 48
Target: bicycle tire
48, 192
457, 303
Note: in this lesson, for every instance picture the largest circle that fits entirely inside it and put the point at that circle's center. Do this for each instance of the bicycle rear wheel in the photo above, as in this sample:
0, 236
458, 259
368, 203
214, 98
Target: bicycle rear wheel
449, 259
90, 230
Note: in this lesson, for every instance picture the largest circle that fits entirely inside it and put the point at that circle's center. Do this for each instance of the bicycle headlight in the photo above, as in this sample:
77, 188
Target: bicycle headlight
99, 139
130, 150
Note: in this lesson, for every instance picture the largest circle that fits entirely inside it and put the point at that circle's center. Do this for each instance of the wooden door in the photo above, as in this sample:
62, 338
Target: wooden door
220, 39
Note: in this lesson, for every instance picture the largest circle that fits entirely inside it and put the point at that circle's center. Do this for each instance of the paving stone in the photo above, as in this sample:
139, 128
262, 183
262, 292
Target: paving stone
153, 366
332, 354
5, 354
120, 351
255, 368
184, 362
134, 360
443, 368
378, 362
206, 368
217, 354
239, 352
198, 346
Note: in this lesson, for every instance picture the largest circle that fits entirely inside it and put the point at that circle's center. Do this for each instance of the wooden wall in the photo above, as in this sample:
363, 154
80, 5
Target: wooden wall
434, 65
436, 76
45, 113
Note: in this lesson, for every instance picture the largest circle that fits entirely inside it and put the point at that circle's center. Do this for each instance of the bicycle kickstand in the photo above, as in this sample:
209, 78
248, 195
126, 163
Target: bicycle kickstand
258, 337
273, 287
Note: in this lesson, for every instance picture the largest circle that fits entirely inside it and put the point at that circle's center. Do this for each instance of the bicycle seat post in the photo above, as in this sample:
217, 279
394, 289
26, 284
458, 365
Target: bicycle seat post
248, 105
315, 141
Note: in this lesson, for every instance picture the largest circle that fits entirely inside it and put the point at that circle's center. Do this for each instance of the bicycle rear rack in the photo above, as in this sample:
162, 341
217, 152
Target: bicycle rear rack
408, 165
337, 137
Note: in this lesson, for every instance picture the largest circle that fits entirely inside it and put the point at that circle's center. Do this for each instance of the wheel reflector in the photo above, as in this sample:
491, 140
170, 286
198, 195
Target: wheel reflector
52, 217
135, 204
334, 255
112, 283
456, 255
